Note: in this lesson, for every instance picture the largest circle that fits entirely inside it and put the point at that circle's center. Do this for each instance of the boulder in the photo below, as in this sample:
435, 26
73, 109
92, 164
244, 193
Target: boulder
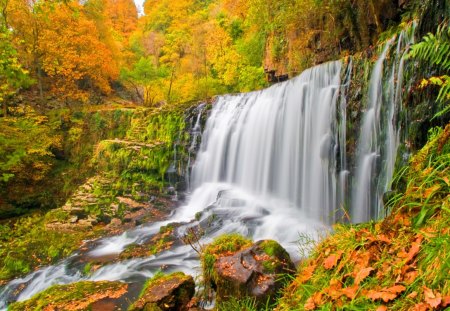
169, 292
255, 272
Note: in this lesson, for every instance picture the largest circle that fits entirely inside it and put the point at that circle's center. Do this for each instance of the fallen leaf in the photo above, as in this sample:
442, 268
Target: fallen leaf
410, 277
386, 294
306, 274
362, 274
429, 191
332, 260
432, 299
412, 295
350, 292
382, 308
396, 289
421, 307
310, 305
445, 301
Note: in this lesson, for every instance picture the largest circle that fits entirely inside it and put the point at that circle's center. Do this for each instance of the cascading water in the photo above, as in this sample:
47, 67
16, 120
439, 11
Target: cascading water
278, 143
380, 133
271, 164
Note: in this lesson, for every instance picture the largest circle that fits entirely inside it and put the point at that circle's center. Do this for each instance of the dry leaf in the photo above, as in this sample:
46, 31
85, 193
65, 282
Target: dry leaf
445, 301
310, 305
332, 260
382, 308
429, 191
386, 294
412, 295
350, 292
306, 274
432, 299
362, 274
396, 289
421, 307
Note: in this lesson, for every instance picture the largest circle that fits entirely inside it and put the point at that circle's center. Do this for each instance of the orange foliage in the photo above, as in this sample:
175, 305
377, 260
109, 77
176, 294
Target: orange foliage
73, 55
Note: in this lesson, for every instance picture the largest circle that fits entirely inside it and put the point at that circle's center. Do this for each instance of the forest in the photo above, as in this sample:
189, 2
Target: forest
150, 146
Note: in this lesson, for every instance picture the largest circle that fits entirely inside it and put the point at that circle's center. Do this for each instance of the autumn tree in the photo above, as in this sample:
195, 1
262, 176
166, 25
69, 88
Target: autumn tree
74, 57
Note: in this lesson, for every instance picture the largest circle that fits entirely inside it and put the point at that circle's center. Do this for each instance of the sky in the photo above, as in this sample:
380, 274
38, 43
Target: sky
140, 6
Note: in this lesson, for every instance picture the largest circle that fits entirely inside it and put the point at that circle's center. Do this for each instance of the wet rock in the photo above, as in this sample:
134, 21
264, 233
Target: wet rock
256, 272
170, 292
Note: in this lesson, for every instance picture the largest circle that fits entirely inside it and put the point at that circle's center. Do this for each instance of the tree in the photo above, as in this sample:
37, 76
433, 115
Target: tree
73, 54
146, 79
12, 75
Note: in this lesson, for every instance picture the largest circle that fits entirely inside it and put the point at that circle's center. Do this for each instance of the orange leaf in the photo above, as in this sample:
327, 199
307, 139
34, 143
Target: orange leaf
362, 274
310, 305
421, 307
382, 308
445, 301
332, 260
385, 296
412, 295
306, 274
396, 289
350, 292
432, 299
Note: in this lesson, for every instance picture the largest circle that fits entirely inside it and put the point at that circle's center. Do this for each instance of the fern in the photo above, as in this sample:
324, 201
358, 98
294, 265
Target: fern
435, 49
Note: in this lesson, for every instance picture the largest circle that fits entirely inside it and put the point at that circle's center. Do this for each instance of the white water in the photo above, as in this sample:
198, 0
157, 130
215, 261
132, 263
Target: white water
278, 143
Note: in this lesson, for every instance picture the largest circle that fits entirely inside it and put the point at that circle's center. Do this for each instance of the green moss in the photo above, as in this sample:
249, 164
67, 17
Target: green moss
28, 243
80, 295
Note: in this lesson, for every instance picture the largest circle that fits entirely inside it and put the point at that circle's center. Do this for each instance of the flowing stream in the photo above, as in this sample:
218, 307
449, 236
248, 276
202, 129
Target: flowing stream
271, 164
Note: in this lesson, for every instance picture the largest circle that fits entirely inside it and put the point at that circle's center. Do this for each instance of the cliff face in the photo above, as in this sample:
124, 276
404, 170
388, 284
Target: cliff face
315, 32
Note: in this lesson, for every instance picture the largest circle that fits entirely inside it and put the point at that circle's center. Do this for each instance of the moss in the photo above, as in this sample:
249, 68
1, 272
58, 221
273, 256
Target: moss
27, 243
77, 296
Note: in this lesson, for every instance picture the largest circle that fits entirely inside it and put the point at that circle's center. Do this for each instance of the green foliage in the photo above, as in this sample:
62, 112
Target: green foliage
13, 76
434, 49
27, 243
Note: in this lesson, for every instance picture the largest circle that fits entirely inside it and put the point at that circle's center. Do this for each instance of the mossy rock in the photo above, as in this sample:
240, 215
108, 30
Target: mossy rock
77, 296
235, 268
166, 292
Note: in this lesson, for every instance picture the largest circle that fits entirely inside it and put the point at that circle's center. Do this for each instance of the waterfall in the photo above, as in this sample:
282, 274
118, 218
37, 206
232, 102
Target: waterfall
279, 142
380, 132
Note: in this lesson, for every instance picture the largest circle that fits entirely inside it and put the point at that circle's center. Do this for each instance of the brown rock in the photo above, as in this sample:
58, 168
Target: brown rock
253, 272
171, 292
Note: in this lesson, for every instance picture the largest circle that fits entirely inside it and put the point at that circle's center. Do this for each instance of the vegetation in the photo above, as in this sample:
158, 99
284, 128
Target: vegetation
27, 243
76, 296
434, 49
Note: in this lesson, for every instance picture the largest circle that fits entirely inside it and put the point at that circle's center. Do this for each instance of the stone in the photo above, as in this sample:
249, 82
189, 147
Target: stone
255, 272
170, 292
